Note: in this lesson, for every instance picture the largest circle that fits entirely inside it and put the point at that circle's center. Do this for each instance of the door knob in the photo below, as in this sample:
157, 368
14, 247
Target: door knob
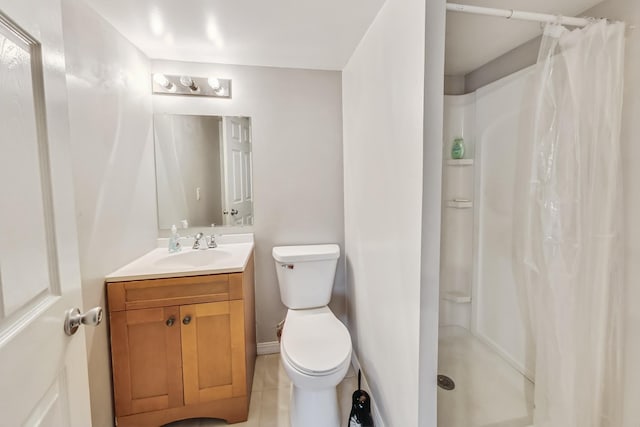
73, 319
234, 211
186, 320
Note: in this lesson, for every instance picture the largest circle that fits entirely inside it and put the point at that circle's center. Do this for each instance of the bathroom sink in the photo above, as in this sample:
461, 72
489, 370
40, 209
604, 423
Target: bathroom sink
194, 258
231, 256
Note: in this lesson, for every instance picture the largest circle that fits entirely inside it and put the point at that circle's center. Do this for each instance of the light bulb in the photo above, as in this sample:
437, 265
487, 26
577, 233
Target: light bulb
188, 82
163, 81
214, 83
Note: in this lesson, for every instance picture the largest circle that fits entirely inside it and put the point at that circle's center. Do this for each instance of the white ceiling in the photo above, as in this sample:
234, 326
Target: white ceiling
474, 40
318, 34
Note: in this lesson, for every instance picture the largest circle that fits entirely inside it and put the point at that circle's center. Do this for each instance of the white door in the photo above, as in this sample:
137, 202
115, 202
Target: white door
43, 372
238, 191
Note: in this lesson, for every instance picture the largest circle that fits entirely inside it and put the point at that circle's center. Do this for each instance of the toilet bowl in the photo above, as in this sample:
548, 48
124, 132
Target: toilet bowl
315, 347
315, 352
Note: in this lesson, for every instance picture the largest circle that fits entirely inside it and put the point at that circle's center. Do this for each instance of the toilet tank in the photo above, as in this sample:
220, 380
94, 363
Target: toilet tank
305, 274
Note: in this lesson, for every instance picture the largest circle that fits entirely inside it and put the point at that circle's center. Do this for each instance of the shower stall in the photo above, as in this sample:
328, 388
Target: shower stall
485, 343
531, 247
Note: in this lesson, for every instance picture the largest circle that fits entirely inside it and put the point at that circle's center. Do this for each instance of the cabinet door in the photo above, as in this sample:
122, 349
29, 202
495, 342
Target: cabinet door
147, 371
213, 351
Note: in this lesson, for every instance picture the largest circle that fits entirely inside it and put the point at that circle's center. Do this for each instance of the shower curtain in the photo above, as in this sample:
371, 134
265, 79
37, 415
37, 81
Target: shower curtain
568, 243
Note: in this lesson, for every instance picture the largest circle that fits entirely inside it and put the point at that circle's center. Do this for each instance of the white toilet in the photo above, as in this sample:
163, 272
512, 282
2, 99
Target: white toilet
316, 347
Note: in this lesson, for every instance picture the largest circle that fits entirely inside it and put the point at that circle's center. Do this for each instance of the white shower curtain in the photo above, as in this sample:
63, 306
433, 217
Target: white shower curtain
568, 243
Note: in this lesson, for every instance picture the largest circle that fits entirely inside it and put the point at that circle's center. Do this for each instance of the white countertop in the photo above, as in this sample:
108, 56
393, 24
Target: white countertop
231, 256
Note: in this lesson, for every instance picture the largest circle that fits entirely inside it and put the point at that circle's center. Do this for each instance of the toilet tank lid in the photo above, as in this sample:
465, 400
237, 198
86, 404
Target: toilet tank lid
305, 253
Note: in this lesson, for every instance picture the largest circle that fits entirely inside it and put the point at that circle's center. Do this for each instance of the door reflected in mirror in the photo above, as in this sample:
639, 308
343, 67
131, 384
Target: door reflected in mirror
203, 170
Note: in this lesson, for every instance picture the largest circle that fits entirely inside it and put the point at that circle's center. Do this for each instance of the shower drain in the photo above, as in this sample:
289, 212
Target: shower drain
445, 382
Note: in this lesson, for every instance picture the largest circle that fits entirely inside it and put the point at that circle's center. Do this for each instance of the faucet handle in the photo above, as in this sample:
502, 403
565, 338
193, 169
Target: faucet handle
212, 242
196, 243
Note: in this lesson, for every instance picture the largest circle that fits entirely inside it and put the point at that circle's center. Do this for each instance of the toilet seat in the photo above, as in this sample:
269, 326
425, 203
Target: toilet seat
315, 342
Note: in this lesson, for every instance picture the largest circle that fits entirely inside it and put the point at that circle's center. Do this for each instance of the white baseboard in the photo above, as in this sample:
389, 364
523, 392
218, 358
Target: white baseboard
377, 419
271, 347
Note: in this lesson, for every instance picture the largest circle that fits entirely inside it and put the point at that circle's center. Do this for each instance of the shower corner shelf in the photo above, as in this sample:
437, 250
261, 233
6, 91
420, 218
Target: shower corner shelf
460, 162
456, 296
460, 204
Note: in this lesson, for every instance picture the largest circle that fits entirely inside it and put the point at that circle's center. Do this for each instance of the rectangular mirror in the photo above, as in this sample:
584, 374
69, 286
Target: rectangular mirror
203, 170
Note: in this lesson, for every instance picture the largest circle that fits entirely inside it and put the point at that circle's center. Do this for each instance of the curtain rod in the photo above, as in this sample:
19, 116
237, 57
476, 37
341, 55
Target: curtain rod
520, 15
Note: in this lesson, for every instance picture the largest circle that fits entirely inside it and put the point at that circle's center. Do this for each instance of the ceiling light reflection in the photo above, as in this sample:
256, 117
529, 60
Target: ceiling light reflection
213, 32
156, 22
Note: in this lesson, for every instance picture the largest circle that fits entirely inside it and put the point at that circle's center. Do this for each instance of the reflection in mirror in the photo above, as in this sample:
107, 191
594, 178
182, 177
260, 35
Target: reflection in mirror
203, 170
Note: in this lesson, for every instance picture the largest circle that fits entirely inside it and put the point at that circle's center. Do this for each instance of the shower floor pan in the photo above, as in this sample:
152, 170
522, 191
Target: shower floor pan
489, 392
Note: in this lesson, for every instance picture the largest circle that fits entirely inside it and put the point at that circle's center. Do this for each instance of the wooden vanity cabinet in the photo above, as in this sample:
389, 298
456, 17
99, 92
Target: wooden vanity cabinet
146, 356
182, 348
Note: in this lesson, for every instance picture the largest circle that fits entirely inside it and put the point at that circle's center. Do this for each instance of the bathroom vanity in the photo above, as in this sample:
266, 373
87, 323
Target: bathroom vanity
183, 339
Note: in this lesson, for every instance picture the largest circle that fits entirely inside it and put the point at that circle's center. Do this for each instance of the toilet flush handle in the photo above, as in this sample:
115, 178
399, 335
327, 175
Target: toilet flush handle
287, 266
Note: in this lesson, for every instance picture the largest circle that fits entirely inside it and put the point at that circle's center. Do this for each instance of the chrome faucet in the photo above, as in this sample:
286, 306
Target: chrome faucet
212, 242
196, 243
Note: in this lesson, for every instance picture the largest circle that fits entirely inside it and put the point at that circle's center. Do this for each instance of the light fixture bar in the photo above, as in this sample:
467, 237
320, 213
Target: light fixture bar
174, 84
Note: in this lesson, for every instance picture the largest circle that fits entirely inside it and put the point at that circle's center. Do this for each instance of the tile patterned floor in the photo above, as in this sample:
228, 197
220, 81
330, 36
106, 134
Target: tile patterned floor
269, 405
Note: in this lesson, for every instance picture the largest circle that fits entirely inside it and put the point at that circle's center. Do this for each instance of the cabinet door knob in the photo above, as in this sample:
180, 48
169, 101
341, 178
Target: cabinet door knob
186, 320
171, 320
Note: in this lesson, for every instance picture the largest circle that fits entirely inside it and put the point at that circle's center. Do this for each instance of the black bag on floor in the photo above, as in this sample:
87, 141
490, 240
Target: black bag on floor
360, 415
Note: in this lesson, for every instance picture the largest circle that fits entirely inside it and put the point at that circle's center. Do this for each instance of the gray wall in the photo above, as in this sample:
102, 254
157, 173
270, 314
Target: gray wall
512, 61
454, 85
297, 163
112, 152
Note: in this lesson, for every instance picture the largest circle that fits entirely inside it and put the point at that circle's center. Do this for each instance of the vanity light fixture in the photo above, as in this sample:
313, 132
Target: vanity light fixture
169, 84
